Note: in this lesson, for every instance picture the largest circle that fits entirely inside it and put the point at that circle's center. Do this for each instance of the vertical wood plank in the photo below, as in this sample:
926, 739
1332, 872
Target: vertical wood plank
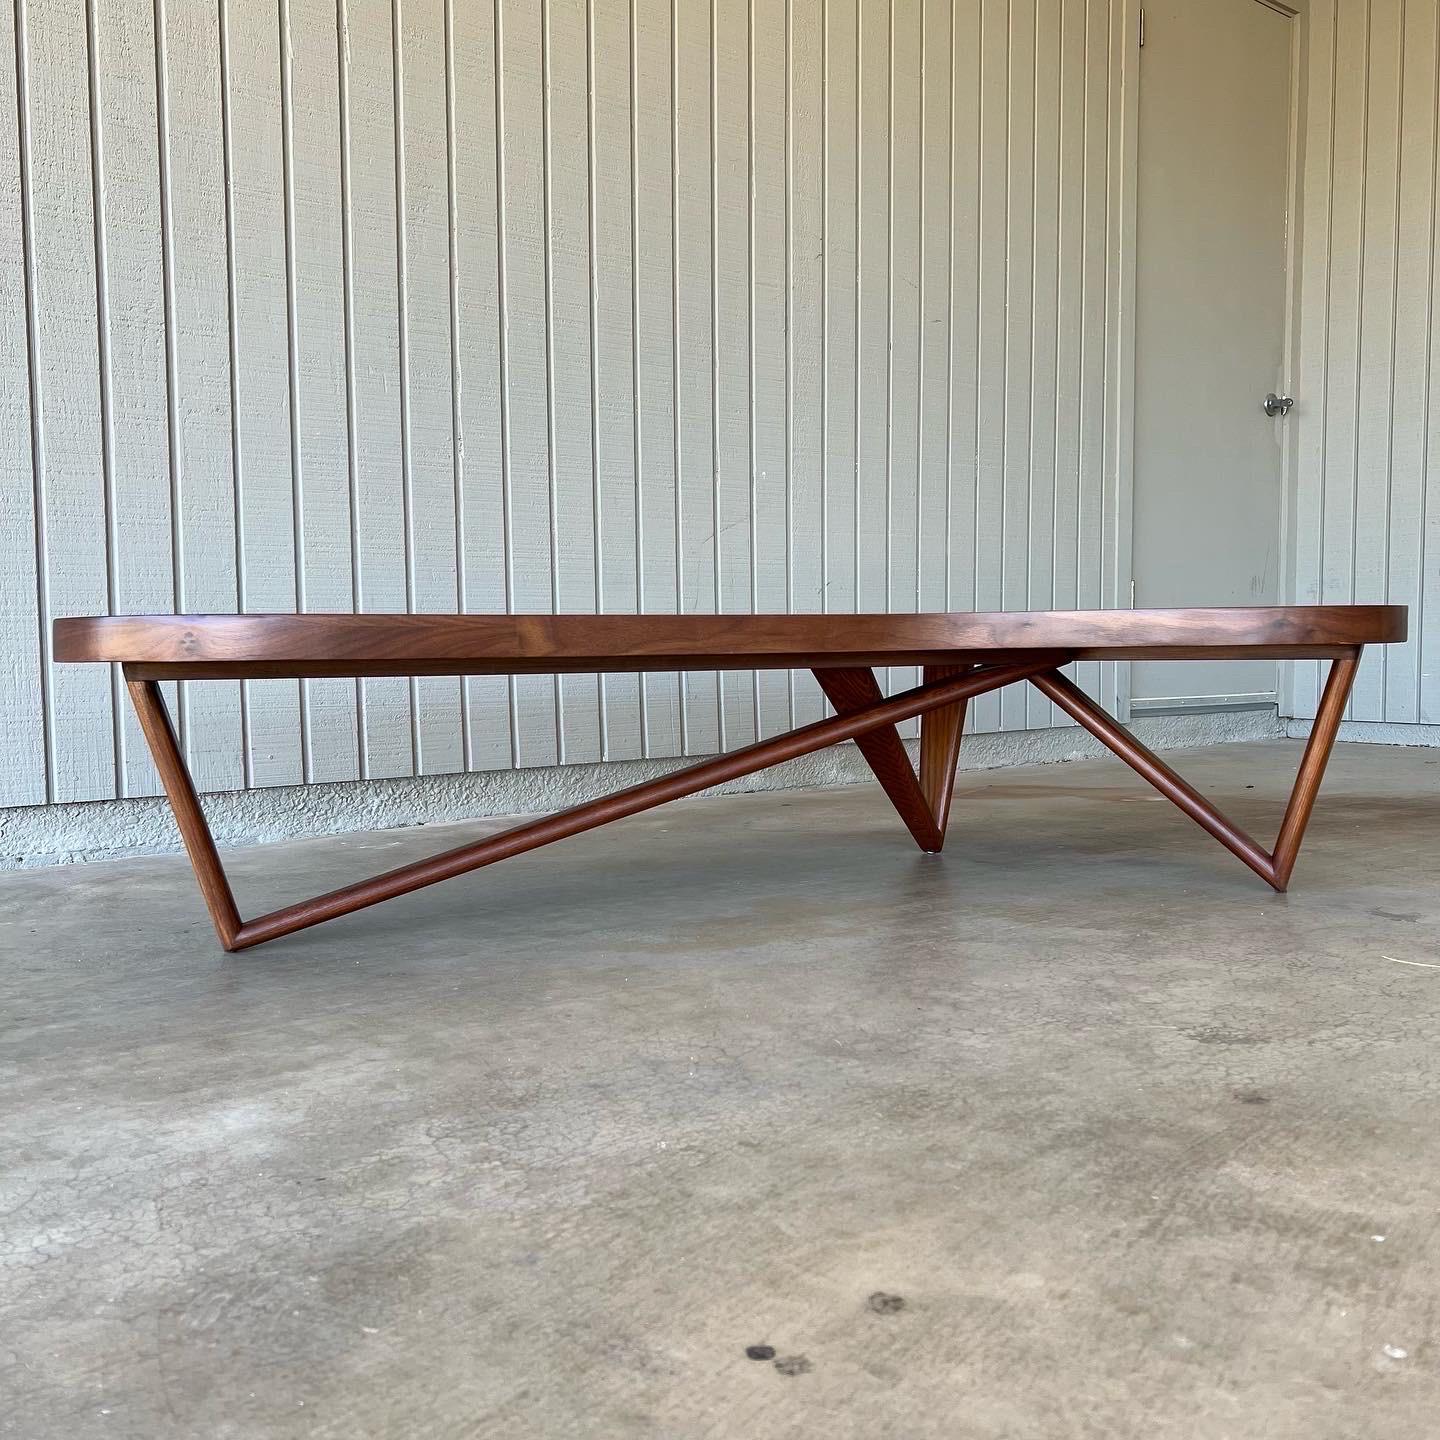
933, 378
839, 480
731, 321
1019, 318
963, 321
1045, 327
571, 422
132, 320
476, 380
654, 298
260, 360
71, 457
805, 363
1090, 526
907, 89
22, 694
426, 401
525, 360
769, 325
325, 580
1122, 122
872, 389
196, 247
367, 111
613, 339
992, 196
1059, 69
695, 355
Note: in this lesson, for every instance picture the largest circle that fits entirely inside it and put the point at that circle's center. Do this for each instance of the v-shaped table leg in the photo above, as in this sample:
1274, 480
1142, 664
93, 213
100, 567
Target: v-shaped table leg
1272, 867
923, 800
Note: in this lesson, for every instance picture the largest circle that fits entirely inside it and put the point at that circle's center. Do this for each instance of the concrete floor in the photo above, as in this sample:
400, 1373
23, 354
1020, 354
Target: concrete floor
1077, 1131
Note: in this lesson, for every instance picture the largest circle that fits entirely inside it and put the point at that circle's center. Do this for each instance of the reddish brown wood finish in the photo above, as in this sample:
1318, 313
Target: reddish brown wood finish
854, 691
196, 647
1274, 868
940, 732
1312, 766
194, 831
963, 656
631, 801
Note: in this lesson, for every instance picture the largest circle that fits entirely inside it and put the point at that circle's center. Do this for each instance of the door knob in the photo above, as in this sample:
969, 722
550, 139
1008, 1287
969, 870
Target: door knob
1277, 404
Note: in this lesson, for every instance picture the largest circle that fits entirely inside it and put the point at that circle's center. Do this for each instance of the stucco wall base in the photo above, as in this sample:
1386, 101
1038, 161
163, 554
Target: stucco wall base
109, 829
1372, 732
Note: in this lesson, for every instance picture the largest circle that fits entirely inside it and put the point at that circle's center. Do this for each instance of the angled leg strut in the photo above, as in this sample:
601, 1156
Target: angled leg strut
236, 934
199, 843
1274, 868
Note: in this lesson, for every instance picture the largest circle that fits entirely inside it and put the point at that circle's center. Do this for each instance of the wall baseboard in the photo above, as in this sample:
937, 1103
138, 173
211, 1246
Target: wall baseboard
110, 829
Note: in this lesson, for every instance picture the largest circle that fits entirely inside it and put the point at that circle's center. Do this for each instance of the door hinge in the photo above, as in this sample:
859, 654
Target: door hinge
1142, 27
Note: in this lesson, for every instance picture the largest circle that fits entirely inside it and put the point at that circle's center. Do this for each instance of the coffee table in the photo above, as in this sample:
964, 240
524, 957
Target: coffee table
961, 656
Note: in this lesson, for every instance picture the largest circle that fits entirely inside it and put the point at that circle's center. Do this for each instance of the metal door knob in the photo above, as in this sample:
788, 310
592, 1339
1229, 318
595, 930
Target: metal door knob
1277, 404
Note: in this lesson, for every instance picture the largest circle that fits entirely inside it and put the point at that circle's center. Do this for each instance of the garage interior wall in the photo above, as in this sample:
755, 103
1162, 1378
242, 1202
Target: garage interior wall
444, 306
1366, 513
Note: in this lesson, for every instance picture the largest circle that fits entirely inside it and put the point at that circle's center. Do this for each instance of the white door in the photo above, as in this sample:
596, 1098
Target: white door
1213, 186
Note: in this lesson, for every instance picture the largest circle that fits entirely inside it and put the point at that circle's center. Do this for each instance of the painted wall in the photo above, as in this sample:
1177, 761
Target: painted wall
1366, 514
436, 305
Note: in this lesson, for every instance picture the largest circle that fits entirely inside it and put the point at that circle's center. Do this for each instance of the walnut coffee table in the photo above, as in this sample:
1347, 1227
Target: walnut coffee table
962, 655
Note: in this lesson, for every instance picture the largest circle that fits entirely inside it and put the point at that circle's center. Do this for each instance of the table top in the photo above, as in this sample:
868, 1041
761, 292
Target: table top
228, 646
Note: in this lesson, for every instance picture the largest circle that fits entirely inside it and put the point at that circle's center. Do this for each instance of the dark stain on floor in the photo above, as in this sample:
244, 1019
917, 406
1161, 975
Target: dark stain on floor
793, 1365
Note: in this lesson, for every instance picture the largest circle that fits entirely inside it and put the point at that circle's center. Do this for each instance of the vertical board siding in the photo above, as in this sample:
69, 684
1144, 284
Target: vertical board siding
572, 432
368, 158
195, 245
694, 264
23, 773
426, 402
1367, 486
325, 578
72, 504
482, 534
616, 305
260, 363
653, 294
131, 323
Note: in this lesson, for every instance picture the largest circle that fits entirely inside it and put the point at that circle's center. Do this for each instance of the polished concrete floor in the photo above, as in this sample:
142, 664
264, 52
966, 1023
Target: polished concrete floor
1076, 1131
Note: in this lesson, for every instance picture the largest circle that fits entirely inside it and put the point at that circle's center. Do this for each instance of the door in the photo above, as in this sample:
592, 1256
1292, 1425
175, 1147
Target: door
1212, 193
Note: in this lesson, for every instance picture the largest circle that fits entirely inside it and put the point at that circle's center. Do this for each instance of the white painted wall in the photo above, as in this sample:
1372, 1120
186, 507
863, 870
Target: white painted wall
435, 305
1366, 513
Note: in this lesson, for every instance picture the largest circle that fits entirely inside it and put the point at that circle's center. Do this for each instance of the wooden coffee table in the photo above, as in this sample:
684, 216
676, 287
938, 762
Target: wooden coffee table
962, 655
